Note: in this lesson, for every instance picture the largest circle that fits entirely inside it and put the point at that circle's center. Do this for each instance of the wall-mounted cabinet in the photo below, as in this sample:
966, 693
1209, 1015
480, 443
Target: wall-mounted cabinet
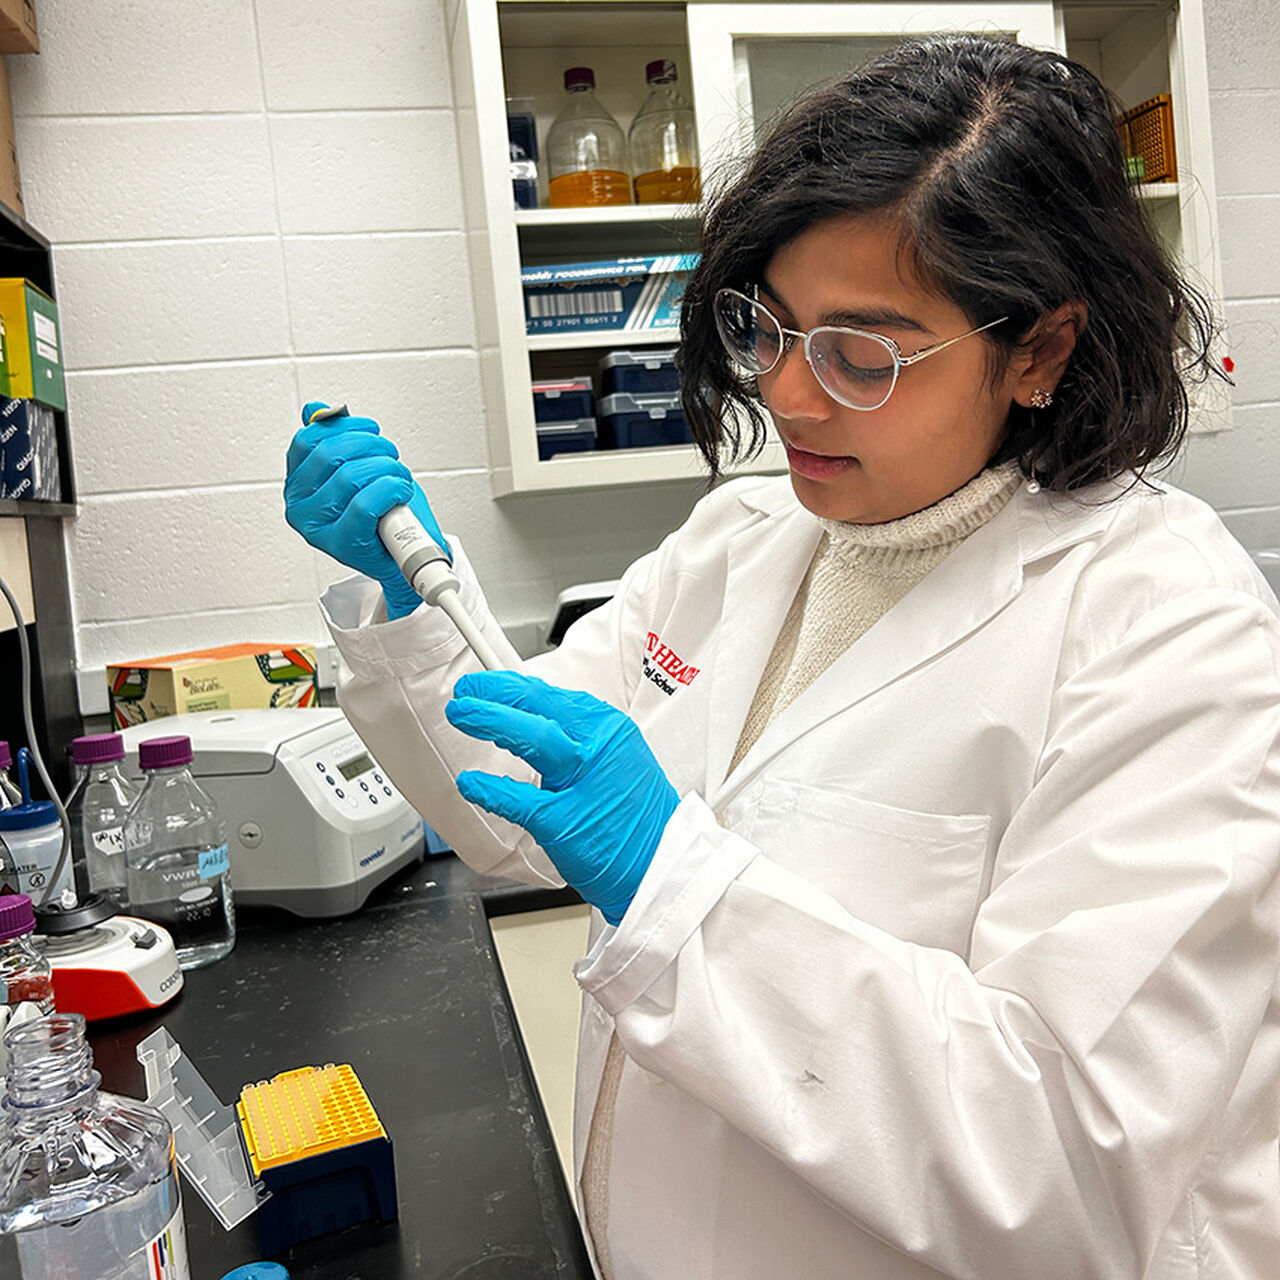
33, 559
739, 64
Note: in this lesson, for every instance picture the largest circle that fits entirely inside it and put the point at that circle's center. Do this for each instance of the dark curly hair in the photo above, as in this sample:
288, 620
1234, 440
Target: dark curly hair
1004, 168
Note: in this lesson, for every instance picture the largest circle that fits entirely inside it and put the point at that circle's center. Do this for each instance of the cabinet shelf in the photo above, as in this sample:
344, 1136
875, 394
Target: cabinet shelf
578, 341
608, 215
612, 467
24, 507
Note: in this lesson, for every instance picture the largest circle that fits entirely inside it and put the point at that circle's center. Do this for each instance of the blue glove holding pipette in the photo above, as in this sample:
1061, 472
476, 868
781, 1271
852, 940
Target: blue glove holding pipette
604, 801
343, 476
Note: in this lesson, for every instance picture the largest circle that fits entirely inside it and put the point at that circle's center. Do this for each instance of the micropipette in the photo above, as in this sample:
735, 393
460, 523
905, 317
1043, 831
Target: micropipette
425, 565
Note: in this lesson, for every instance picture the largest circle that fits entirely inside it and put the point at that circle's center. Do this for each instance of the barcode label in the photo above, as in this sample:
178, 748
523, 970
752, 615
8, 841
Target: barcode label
581, 302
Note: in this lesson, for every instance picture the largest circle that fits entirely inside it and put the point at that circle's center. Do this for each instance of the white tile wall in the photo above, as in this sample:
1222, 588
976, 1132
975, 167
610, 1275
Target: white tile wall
135, 57
257, 202
196, 425
171, 302
1239, 470
1249, 227
379, 292
365, 171
179, 550
428, 402
148, 177
329, 55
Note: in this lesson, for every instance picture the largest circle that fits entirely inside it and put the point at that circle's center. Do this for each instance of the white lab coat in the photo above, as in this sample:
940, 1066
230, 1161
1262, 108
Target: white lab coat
971, 965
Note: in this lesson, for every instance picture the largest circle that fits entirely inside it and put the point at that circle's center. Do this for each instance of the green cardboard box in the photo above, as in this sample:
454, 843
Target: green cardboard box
32, 344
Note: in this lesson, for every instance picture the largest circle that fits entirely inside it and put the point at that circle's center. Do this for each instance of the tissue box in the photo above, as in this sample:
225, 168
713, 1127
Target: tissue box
28, 451
232, 677
635, 294
31, 343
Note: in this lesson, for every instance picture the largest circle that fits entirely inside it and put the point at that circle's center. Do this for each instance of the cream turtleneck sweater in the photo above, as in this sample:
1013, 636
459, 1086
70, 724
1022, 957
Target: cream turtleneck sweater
858, 573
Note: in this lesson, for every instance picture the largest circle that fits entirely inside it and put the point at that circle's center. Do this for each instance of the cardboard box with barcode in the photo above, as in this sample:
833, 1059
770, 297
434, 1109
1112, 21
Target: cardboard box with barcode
634, 295
229, 678
32, 344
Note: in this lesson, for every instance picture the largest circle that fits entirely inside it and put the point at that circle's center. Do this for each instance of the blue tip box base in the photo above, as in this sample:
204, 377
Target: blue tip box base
327, 1192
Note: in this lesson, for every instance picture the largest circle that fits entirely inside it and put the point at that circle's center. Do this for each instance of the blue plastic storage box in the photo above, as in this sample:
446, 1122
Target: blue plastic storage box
642, 421
566, 437
563, 400
639, 372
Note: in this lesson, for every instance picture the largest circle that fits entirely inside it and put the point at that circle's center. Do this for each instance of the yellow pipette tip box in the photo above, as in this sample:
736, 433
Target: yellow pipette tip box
304, 1151
304, 1113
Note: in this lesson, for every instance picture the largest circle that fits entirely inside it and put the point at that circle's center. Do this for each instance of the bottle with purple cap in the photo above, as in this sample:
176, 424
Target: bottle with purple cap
26, 977
663, 142
586, 148
176, 858
97, 808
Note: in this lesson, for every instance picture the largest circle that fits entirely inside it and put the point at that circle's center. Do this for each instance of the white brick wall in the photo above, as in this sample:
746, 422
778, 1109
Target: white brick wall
254, 205
257, 204
1239, 470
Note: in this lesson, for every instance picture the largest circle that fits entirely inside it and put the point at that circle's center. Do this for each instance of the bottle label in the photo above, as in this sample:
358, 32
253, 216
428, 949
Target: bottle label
109, 841
106, 1242
34, 862
214, 862
167, 1253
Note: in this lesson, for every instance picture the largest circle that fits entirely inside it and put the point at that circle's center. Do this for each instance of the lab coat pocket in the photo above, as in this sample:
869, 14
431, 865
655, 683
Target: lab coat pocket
915, 875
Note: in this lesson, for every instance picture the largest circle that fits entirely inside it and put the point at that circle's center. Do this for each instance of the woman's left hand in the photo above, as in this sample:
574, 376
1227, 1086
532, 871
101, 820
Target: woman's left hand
604, 800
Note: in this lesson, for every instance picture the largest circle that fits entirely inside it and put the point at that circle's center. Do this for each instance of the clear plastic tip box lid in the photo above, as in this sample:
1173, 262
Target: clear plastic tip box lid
206, 1132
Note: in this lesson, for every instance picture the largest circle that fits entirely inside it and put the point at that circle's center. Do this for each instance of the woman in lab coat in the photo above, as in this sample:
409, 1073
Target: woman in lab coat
930, 797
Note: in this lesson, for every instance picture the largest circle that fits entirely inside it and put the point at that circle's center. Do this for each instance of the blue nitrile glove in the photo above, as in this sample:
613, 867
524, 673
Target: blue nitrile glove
604, 801
342, 477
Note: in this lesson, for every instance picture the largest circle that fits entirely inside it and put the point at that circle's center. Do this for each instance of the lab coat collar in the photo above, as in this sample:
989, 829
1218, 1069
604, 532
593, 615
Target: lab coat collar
767, 560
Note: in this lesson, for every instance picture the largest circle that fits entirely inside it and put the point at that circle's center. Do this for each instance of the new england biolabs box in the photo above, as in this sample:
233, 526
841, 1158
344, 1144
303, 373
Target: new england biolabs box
233, 677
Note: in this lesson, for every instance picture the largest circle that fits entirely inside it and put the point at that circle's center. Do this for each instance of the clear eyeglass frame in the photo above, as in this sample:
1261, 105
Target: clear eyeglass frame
821, 366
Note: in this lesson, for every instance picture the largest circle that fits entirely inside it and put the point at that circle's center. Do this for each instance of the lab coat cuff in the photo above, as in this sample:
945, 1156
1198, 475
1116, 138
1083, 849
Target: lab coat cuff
372, 646
695, 863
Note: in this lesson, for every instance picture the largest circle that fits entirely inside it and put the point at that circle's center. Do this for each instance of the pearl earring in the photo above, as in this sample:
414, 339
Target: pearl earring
1041, 399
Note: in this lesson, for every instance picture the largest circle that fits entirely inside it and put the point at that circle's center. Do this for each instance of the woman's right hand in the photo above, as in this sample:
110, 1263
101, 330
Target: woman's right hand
342, 477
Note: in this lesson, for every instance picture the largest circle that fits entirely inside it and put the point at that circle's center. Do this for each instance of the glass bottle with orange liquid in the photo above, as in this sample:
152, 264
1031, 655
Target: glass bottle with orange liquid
664, 142
586, 149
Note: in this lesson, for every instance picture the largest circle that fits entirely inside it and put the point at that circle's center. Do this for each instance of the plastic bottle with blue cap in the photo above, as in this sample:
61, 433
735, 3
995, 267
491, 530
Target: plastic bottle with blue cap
32, 833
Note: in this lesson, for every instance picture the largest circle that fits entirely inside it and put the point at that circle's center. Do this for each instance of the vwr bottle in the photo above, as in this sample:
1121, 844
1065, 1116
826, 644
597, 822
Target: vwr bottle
664, 141
88, 1182
586, 149
97, 809
176, 856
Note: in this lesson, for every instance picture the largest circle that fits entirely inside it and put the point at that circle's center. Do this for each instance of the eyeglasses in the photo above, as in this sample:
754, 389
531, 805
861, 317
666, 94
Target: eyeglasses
856, 368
